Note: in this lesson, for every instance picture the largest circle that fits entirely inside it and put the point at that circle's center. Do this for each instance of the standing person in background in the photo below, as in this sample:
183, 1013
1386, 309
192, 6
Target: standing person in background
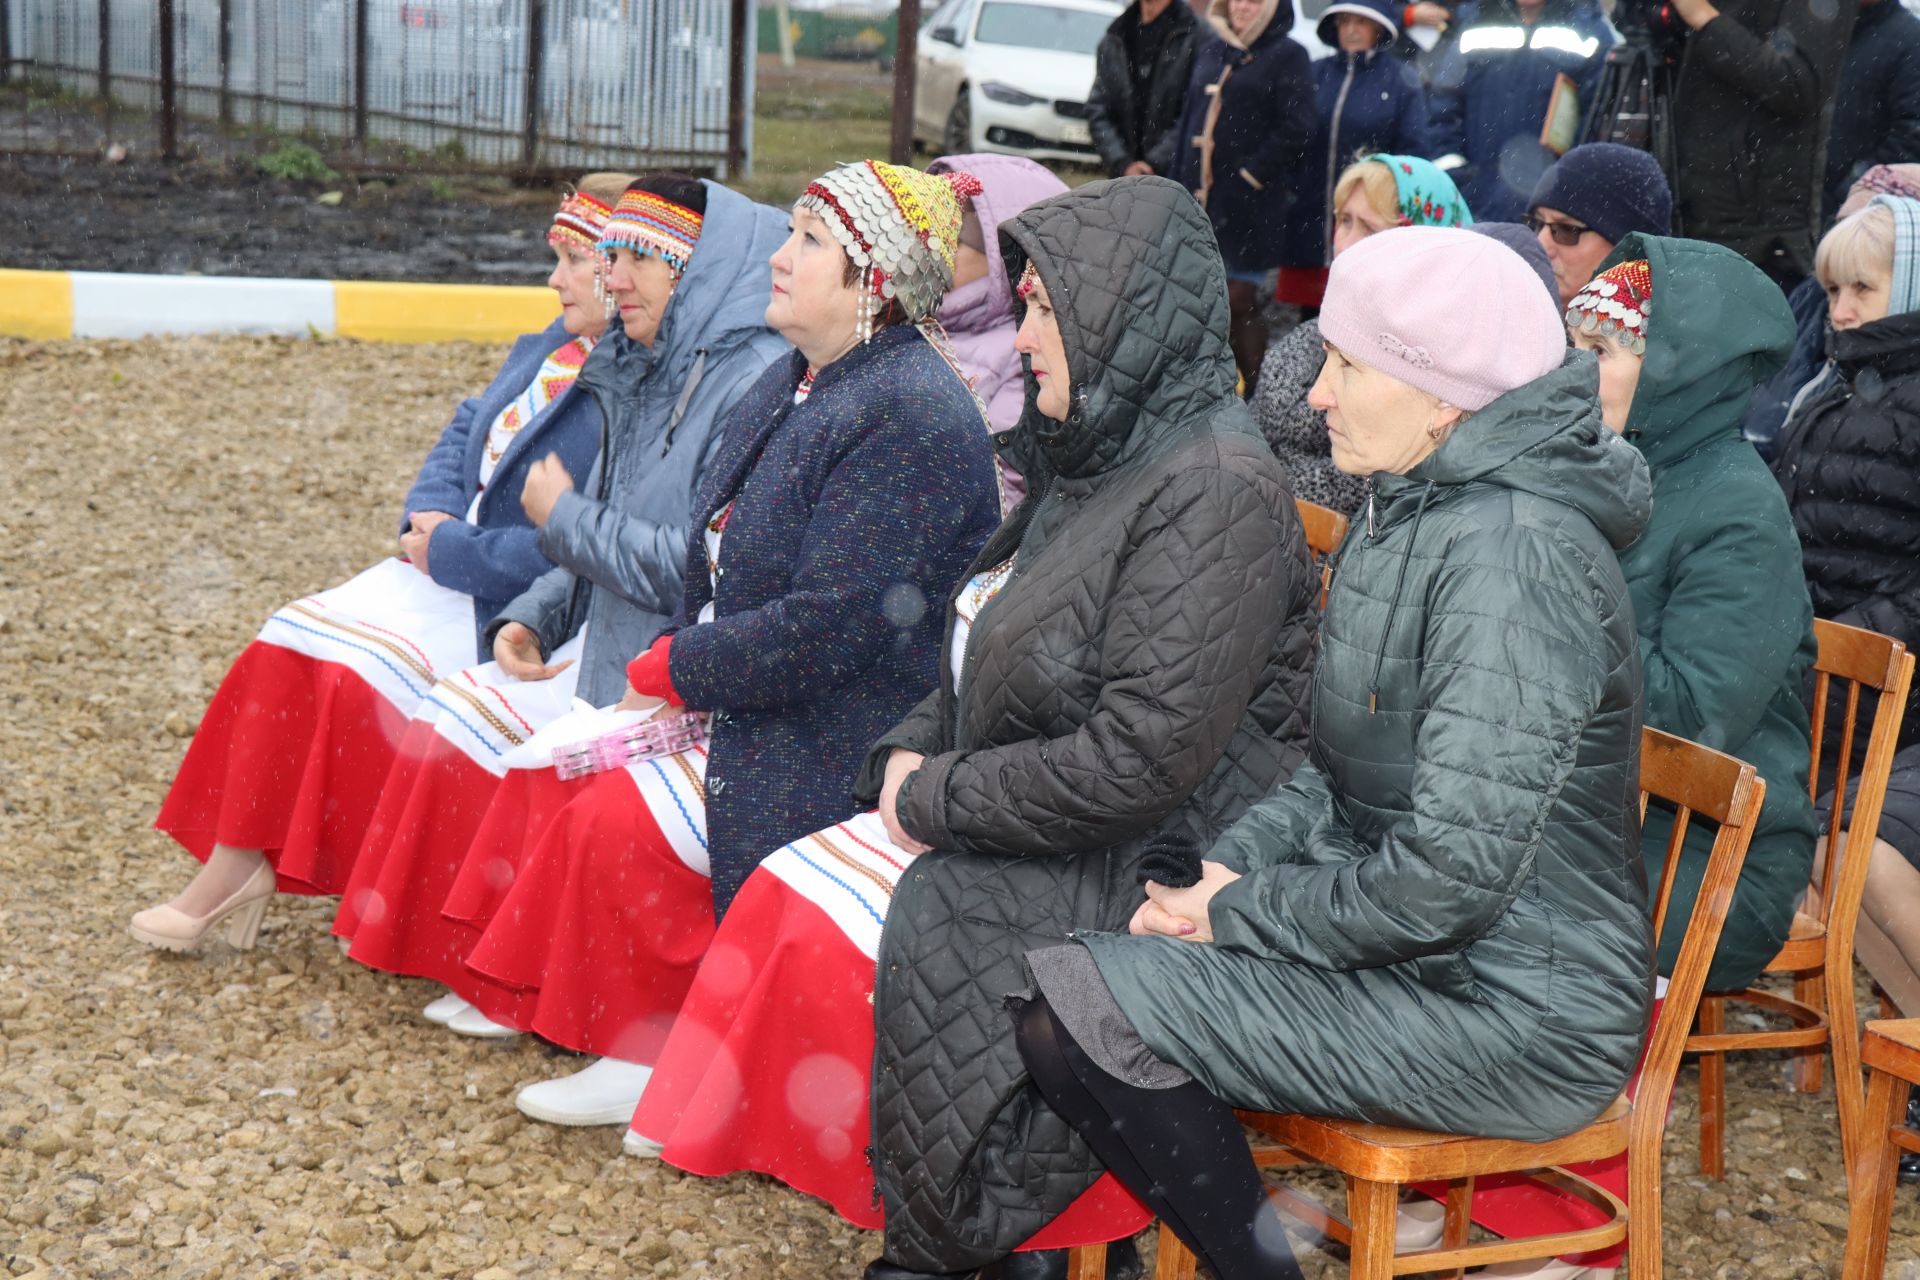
1495, 81
978, 310
1366, 100
1876, 114
1593, 197
1248, 119
1751, 106
1140, 86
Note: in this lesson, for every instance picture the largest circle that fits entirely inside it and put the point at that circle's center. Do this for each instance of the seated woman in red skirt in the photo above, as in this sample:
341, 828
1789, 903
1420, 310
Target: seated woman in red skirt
280, 780
1127, 667
687, 268
852, 487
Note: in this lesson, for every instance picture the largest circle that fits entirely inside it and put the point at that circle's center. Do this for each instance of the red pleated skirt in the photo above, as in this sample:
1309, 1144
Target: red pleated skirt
769, 1065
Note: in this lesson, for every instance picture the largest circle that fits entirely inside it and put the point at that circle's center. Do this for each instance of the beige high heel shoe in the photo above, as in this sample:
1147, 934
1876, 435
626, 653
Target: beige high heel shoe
171, 929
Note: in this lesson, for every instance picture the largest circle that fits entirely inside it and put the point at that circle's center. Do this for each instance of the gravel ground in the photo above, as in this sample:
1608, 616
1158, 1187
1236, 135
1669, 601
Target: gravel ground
285, 1112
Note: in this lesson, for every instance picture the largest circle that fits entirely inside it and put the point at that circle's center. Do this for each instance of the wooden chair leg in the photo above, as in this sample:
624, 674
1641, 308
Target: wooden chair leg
1888, 1009
1453, 1229
1810, 989
1087, 1262
1843, 1041
1870, 1180
1712, 1020
1371, 1207
1644, 1247
1176, 1261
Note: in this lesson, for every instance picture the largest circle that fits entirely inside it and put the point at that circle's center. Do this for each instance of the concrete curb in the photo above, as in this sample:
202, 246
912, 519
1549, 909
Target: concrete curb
93, 304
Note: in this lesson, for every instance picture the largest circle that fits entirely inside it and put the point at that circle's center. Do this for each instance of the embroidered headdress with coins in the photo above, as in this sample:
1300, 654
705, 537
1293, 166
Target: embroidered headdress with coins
1615, 304
900, 226
578, 226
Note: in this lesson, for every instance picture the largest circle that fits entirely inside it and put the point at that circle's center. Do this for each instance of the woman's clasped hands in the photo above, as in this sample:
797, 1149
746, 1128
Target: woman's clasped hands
1182, 913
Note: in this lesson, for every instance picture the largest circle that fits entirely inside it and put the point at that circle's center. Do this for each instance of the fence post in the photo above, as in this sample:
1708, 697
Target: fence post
360, 76
906, 53
741, 40
106, 72
6, 41
224, 46
169, 136
536, 58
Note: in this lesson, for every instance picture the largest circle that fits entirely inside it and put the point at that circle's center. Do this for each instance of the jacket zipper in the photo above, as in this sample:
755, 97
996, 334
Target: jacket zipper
1333, 148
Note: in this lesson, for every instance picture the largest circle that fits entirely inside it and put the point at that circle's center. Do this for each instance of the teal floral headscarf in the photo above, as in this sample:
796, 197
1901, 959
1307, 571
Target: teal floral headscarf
1428, 197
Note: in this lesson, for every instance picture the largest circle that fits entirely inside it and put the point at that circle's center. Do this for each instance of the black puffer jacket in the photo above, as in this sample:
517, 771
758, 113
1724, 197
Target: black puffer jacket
1124, 128
1145, 669
1849, 459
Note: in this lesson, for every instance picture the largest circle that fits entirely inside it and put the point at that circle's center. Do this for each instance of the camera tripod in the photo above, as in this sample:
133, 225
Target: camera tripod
1634, 102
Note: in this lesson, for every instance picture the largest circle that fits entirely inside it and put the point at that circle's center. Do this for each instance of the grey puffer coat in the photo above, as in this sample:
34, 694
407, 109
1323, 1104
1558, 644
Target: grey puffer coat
1144, 669
620, 539
1442, 920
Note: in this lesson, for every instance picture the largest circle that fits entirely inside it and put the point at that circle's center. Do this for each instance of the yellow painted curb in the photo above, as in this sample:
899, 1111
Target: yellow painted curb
36, 304
383, 312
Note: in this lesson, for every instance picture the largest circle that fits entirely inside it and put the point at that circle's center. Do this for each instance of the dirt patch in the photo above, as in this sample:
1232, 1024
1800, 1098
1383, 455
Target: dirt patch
285, 1112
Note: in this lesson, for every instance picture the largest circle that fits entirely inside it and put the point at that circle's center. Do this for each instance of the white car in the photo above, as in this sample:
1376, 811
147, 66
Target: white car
1010, 76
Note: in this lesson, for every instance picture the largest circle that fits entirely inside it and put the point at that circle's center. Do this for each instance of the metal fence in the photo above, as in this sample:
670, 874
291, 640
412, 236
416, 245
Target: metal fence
523, 85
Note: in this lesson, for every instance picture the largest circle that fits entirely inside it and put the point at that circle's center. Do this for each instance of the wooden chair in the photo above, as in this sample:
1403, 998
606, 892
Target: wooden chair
1891, 1052
1378, 1160
1326, 529
1819, 948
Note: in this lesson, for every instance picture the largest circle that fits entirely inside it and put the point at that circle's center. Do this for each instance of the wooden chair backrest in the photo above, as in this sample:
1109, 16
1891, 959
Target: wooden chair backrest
1851, 660
1326, 529
1696, 781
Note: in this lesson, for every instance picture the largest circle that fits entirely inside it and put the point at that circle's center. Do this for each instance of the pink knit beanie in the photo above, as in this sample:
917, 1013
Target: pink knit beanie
1458, 315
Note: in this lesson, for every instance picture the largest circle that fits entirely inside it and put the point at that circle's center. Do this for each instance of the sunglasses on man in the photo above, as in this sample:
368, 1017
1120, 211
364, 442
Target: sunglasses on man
1565, 234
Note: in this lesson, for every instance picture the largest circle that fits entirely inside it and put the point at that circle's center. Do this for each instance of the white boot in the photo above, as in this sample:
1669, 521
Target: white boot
1543, 1269
604, 1093
471, 1022
639, 1146
1418, 1224
442, 1011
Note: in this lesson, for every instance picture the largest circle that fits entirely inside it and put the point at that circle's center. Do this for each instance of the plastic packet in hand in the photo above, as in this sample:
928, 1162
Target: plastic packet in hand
623, 746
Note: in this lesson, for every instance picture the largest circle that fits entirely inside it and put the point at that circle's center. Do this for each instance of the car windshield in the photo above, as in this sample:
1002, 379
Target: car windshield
1032, 26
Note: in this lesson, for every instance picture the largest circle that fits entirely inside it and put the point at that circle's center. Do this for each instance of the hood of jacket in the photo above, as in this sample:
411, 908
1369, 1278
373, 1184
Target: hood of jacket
1718, 328
1275, 21
722, 296
1140, 294
1547, 439
1010, 184
1383, 12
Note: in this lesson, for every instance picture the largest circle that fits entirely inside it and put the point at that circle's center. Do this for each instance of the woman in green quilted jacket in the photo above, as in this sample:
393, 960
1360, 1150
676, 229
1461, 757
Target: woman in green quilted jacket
1442, 920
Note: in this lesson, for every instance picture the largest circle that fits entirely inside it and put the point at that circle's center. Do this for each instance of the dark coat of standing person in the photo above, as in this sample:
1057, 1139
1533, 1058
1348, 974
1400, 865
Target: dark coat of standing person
1493, 85
1876, 114
1442, 920
1248, 118
1751, 106
1141, 69
1367, 100
1143, 673
1725, 622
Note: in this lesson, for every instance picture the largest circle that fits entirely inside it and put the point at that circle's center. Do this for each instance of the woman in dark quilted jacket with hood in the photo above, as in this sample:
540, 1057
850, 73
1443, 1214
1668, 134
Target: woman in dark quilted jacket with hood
1442, 920
1126, 659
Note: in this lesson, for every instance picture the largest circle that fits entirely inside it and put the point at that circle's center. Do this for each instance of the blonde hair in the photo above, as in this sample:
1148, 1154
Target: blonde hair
1373, 177
606, 187
1858, 249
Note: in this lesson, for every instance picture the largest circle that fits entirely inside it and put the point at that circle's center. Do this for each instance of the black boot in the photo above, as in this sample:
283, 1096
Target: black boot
1123, 1263
1909, 1161
881, 1269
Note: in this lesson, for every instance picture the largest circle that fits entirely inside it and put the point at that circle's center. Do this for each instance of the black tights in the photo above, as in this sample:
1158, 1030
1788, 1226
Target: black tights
1181, 1150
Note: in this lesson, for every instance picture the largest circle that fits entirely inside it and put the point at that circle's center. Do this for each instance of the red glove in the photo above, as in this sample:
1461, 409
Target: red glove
649, 673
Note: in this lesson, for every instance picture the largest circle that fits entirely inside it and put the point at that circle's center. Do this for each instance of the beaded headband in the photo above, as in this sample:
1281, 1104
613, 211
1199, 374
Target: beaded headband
1029, 281
1615, 304
579, 223
901, 226
650, 224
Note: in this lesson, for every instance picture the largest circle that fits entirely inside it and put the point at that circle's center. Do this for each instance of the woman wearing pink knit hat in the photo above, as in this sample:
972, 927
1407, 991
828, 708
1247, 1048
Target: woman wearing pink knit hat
1441, 921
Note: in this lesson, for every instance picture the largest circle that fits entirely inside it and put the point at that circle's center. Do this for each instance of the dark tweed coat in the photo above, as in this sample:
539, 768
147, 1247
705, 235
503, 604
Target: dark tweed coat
856, 511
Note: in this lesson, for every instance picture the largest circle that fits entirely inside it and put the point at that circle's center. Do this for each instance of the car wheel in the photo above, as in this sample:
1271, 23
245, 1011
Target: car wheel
958, 139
